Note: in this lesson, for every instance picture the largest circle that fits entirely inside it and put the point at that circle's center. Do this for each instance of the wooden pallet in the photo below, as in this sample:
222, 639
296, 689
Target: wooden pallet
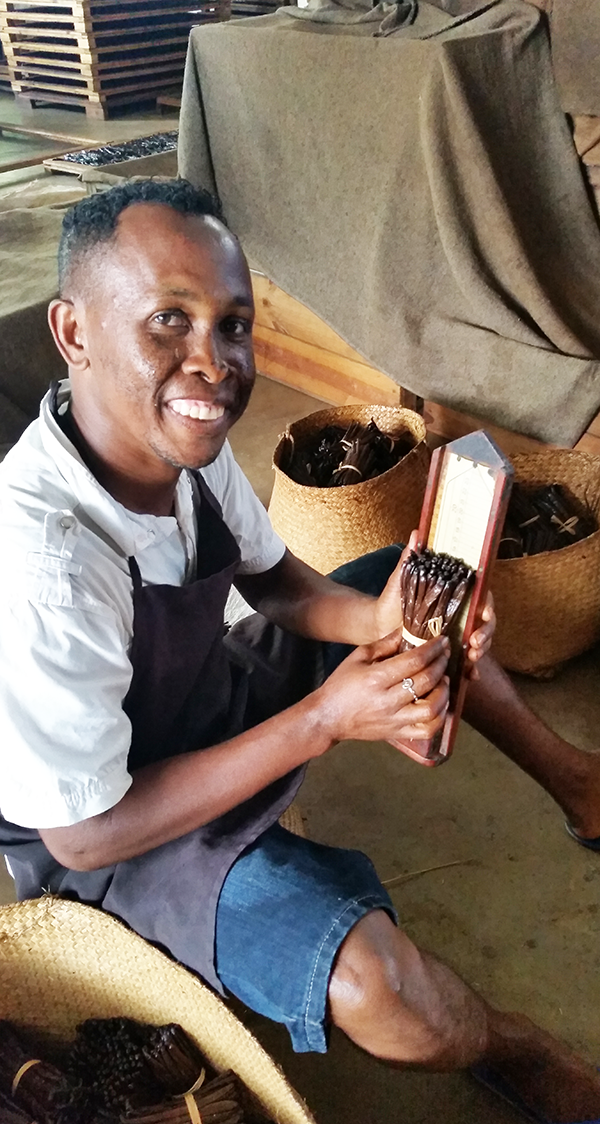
97, 54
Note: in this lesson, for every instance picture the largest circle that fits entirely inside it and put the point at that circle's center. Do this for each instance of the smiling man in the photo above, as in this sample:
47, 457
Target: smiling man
147, 753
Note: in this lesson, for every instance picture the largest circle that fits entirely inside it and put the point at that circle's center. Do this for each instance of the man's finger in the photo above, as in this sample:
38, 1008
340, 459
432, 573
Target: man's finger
424, 718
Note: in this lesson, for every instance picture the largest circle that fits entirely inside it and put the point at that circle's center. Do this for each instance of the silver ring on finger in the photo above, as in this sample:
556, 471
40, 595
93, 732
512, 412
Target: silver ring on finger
409, 685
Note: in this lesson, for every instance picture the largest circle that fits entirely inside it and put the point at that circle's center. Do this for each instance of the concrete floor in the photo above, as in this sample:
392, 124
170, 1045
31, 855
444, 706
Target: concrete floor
519, 916
519, 919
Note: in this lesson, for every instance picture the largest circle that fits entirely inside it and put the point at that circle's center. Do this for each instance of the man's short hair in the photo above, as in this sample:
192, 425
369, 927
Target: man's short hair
94, 220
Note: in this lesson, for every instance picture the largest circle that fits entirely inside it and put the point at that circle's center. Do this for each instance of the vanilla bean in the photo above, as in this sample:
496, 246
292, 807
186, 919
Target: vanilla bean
174, 1059
335, 456
106, 1070
31, 1087
10, 1113
433, 588
542, 519
219, 1101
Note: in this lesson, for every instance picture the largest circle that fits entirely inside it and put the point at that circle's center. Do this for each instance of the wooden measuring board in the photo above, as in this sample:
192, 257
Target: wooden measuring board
463, 514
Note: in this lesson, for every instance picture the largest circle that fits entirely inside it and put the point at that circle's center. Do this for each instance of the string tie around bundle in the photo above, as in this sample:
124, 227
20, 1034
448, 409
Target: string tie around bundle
416, 641
528, 522
190, 1104
192, 1107
566, 526
345, 468
21, 1073
434, 626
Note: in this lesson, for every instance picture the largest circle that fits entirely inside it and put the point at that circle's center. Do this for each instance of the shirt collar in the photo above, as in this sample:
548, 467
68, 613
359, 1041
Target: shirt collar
129, 532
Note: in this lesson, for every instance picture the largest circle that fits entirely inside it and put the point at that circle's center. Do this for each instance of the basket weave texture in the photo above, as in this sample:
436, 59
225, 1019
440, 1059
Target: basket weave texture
548, 605
62, 962
326, 527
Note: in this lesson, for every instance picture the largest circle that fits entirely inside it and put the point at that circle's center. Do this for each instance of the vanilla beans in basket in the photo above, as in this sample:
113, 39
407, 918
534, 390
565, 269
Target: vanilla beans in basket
119, 1070
434, 587
336, 455
541, 519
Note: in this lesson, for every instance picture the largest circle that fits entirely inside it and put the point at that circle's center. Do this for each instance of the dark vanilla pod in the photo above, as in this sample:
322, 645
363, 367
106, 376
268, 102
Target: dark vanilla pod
434, 587
220, 1101
335, 455
542, 519
107, 1072
29, 1082
10, 1113
174, 1059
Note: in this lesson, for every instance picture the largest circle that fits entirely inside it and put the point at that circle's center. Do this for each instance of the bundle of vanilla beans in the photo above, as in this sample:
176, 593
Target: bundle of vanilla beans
337, 455
434, 587
119, 1071
541, 519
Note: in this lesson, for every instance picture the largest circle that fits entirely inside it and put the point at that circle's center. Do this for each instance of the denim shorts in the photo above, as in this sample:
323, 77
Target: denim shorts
285, 908
288, 903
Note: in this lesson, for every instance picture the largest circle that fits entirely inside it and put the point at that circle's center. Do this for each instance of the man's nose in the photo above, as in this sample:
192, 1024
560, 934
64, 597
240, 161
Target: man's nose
204, 356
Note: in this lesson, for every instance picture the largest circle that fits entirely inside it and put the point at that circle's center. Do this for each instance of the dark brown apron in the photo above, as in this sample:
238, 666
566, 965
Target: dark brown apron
193, 685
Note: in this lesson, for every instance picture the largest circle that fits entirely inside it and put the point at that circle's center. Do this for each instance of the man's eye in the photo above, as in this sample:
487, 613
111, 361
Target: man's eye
236, 326
170, 318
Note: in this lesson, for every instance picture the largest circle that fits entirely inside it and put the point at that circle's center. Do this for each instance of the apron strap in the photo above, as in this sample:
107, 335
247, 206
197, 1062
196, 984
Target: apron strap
134, 570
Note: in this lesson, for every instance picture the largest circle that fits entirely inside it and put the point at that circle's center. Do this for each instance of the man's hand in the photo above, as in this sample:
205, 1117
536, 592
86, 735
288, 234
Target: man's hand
364, 697
480, 641
388, 614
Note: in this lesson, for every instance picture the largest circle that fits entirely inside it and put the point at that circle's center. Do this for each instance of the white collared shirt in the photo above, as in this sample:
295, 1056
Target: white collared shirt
66, 615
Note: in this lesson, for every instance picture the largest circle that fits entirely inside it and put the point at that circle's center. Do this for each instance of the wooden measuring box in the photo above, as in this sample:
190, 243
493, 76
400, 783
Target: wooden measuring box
464, 509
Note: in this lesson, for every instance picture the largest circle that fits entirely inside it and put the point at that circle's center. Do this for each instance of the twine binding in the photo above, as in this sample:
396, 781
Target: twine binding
193, 1110
435, 628
197, 1084
21, 1072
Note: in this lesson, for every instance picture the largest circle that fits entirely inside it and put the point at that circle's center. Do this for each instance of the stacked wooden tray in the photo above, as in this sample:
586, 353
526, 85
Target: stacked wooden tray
97, 54
4, 71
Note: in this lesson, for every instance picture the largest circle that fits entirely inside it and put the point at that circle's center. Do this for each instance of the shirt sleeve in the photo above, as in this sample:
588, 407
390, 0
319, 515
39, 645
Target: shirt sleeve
260, 547
64, 737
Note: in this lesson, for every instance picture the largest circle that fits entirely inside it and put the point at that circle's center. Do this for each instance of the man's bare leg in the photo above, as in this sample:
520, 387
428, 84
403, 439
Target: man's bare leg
404, 1006
570, 775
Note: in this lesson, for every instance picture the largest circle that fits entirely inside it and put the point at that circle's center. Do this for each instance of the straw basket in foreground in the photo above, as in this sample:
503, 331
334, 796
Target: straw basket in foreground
326, 527
548, 605
61, 962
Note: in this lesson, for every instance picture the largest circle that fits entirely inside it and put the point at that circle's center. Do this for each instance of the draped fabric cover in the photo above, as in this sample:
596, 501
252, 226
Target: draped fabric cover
419, 191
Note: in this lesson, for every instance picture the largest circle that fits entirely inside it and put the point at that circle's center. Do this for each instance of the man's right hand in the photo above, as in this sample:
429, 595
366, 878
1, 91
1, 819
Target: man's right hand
364, 698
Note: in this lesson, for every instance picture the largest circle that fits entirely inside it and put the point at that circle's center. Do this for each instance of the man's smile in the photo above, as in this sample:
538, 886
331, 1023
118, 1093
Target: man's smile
196, 408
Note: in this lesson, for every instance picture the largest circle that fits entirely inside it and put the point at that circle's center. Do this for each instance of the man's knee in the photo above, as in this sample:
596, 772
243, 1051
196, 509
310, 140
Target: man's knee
381, 996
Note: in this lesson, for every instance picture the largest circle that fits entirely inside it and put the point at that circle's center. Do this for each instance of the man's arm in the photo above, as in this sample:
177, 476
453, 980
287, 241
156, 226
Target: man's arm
301, 600
363, 699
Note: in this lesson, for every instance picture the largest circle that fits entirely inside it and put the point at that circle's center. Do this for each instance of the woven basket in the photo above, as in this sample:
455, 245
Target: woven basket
326, 527
548, 605
62, 962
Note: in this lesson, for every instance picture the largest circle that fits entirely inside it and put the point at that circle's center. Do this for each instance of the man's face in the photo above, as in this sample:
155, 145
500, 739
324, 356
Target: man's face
166, 325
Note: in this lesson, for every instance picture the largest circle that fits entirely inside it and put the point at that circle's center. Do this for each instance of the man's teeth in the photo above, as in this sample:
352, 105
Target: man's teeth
189, 408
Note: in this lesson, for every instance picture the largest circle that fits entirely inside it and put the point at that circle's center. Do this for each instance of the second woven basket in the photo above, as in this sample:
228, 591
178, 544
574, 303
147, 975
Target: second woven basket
326, 527
548, 605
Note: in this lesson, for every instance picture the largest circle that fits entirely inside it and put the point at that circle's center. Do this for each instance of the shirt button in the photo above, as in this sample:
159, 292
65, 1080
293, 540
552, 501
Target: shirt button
67, 522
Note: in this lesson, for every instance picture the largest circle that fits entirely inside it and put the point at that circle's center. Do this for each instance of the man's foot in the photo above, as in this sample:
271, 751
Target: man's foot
583, 817
591, 844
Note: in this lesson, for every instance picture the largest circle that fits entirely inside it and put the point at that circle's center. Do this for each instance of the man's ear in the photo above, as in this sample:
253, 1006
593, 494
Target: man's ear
68, 333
